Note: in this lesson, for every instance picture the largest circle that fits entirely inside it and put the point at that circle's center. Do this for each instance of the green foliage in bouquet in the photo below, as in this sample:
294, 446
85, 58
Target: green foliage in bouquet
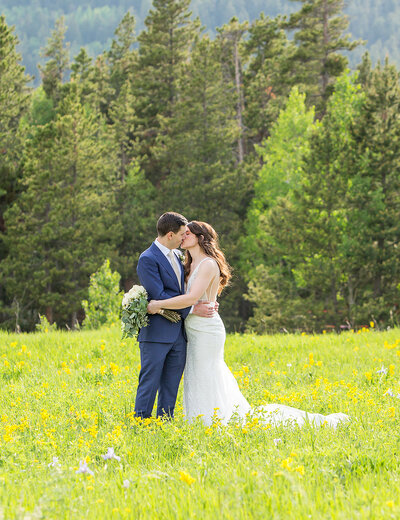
103, 304
134, 311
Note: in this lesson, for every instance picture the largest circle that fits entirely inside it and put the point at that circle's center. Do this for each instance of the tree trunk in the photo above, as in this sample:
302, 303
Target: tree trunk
325, 77
17, 309
240, 107
49, 314
74, 321
351, 298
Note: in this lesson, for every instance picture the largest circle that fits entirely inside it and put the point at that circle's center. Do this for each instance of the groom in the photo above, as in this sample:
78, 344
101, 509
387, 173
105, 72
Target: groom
163, 343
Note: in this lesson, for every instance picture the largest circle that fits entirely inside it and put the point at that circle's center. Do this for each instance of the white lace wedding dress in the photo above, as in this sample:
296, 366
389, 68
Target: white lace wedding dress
209, 386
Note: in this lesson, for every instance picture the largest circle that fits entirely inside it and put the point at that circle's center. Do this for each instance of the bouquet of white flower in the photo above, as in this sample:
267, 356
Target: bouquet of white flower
134, 312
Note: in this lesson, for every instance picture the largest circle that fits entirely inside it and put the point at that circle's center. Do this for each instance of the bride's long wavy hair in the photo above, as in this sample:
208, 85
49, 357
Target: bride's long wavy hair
208, 241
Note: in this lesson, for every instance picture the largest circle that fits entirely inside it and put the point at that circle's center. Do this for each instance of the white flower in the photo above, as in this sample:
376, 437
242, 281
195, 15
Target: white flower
54, 463
389, 393
111, 455
383, 370
134, 293
126, 483
84, 468
289, 365
277, 441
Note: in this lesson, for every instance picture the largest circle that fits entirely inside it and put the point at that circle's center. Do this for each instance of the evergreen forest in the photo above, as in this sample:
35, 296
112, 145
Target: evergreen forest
91, 24
279, 129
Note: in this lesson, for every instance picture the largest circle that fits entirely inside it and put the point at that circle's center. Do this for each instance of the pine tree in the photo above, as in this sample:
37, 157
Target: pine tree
136, 196
164, 49
365, 70
55, 70
14, 101
99, 91
122, 57
204, 182
267, 76
122, 60
83, 72
64, 224
123, 125
81, 67
138, 212
201, 140
374, 197
319, 35
230, 37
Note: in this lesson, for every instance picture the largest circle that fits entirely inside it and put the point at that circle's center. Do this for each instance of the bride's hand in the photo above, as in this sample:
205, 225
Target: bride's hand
153, 307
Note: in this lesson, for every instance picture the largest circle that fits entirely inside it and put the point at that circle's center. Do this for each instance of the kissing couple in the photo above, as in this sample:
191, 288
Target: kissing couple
196, 343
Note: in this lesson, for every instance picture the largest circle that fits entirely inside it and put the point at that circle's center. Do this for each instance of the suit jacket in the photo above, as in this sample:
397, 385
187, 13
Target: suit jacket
159, 279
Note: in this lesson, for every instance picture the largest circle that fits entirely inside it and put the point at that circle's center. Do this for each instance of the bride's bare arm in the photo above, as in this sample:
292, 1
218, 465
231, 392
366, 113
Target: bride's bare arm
207, 271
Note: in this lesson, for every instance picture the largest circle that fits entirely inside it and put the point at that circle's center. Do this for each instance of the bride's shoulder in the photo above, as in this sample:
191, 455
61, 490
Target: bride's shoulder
210, 264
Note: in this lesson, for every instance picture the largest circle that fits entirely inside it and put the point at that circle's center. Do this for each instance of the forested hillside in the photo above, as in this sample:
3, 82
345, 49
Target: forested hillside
259, 129
92, 23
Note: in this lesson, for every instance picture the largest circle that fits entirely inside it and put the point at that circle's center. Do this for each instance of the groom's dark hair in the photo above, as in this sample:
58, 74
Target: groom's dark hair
170, 221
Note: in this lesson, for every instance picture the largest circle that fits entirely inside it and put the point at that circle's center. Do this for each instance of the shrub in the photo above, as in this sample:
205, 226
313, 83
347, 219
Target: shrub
104, 302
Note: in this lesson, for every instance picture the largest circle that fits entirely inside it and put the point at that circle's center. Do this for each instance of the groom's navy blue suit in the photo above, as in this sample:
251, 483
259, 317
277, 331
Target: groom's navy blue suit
162, 343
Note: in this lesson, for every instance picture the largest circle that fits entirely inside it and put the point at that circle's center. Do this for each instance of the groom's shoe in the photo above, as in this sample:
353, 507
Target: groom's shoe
142, 415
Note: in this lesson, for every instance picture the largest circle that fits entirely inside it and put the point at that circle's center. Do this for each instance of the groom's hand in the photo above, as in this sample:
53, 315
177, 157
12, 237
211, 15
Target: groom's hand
205, 309
152, 307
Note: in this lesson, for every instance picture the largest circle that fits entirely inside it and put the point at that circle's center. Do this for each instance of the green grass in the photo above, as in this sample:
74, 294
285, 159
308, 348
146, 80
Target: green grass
71, 396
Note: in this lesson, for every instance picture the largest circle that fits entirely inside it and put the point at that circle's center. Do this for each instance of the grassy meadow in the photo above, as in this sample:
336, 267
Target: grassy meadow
67, 397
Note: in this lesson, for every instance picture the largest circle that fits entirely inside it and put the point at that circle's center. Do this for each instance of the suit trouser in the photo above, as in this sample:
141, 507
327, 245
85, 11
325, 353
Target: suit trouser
161, 370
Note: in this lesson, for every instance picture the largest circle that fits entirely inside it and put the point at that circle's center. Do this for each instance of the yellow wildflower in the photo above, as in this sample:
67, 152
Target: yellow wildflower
185, 477
285, 464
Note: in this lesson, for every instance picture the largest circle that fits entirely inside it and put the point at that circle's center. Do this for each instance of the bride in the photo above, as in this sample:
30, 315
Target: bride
209, 386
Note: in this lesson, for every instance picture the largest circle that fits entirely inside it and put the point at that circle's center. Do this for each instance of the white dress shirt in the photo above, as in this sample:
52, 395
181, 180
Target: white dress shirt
165, 251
